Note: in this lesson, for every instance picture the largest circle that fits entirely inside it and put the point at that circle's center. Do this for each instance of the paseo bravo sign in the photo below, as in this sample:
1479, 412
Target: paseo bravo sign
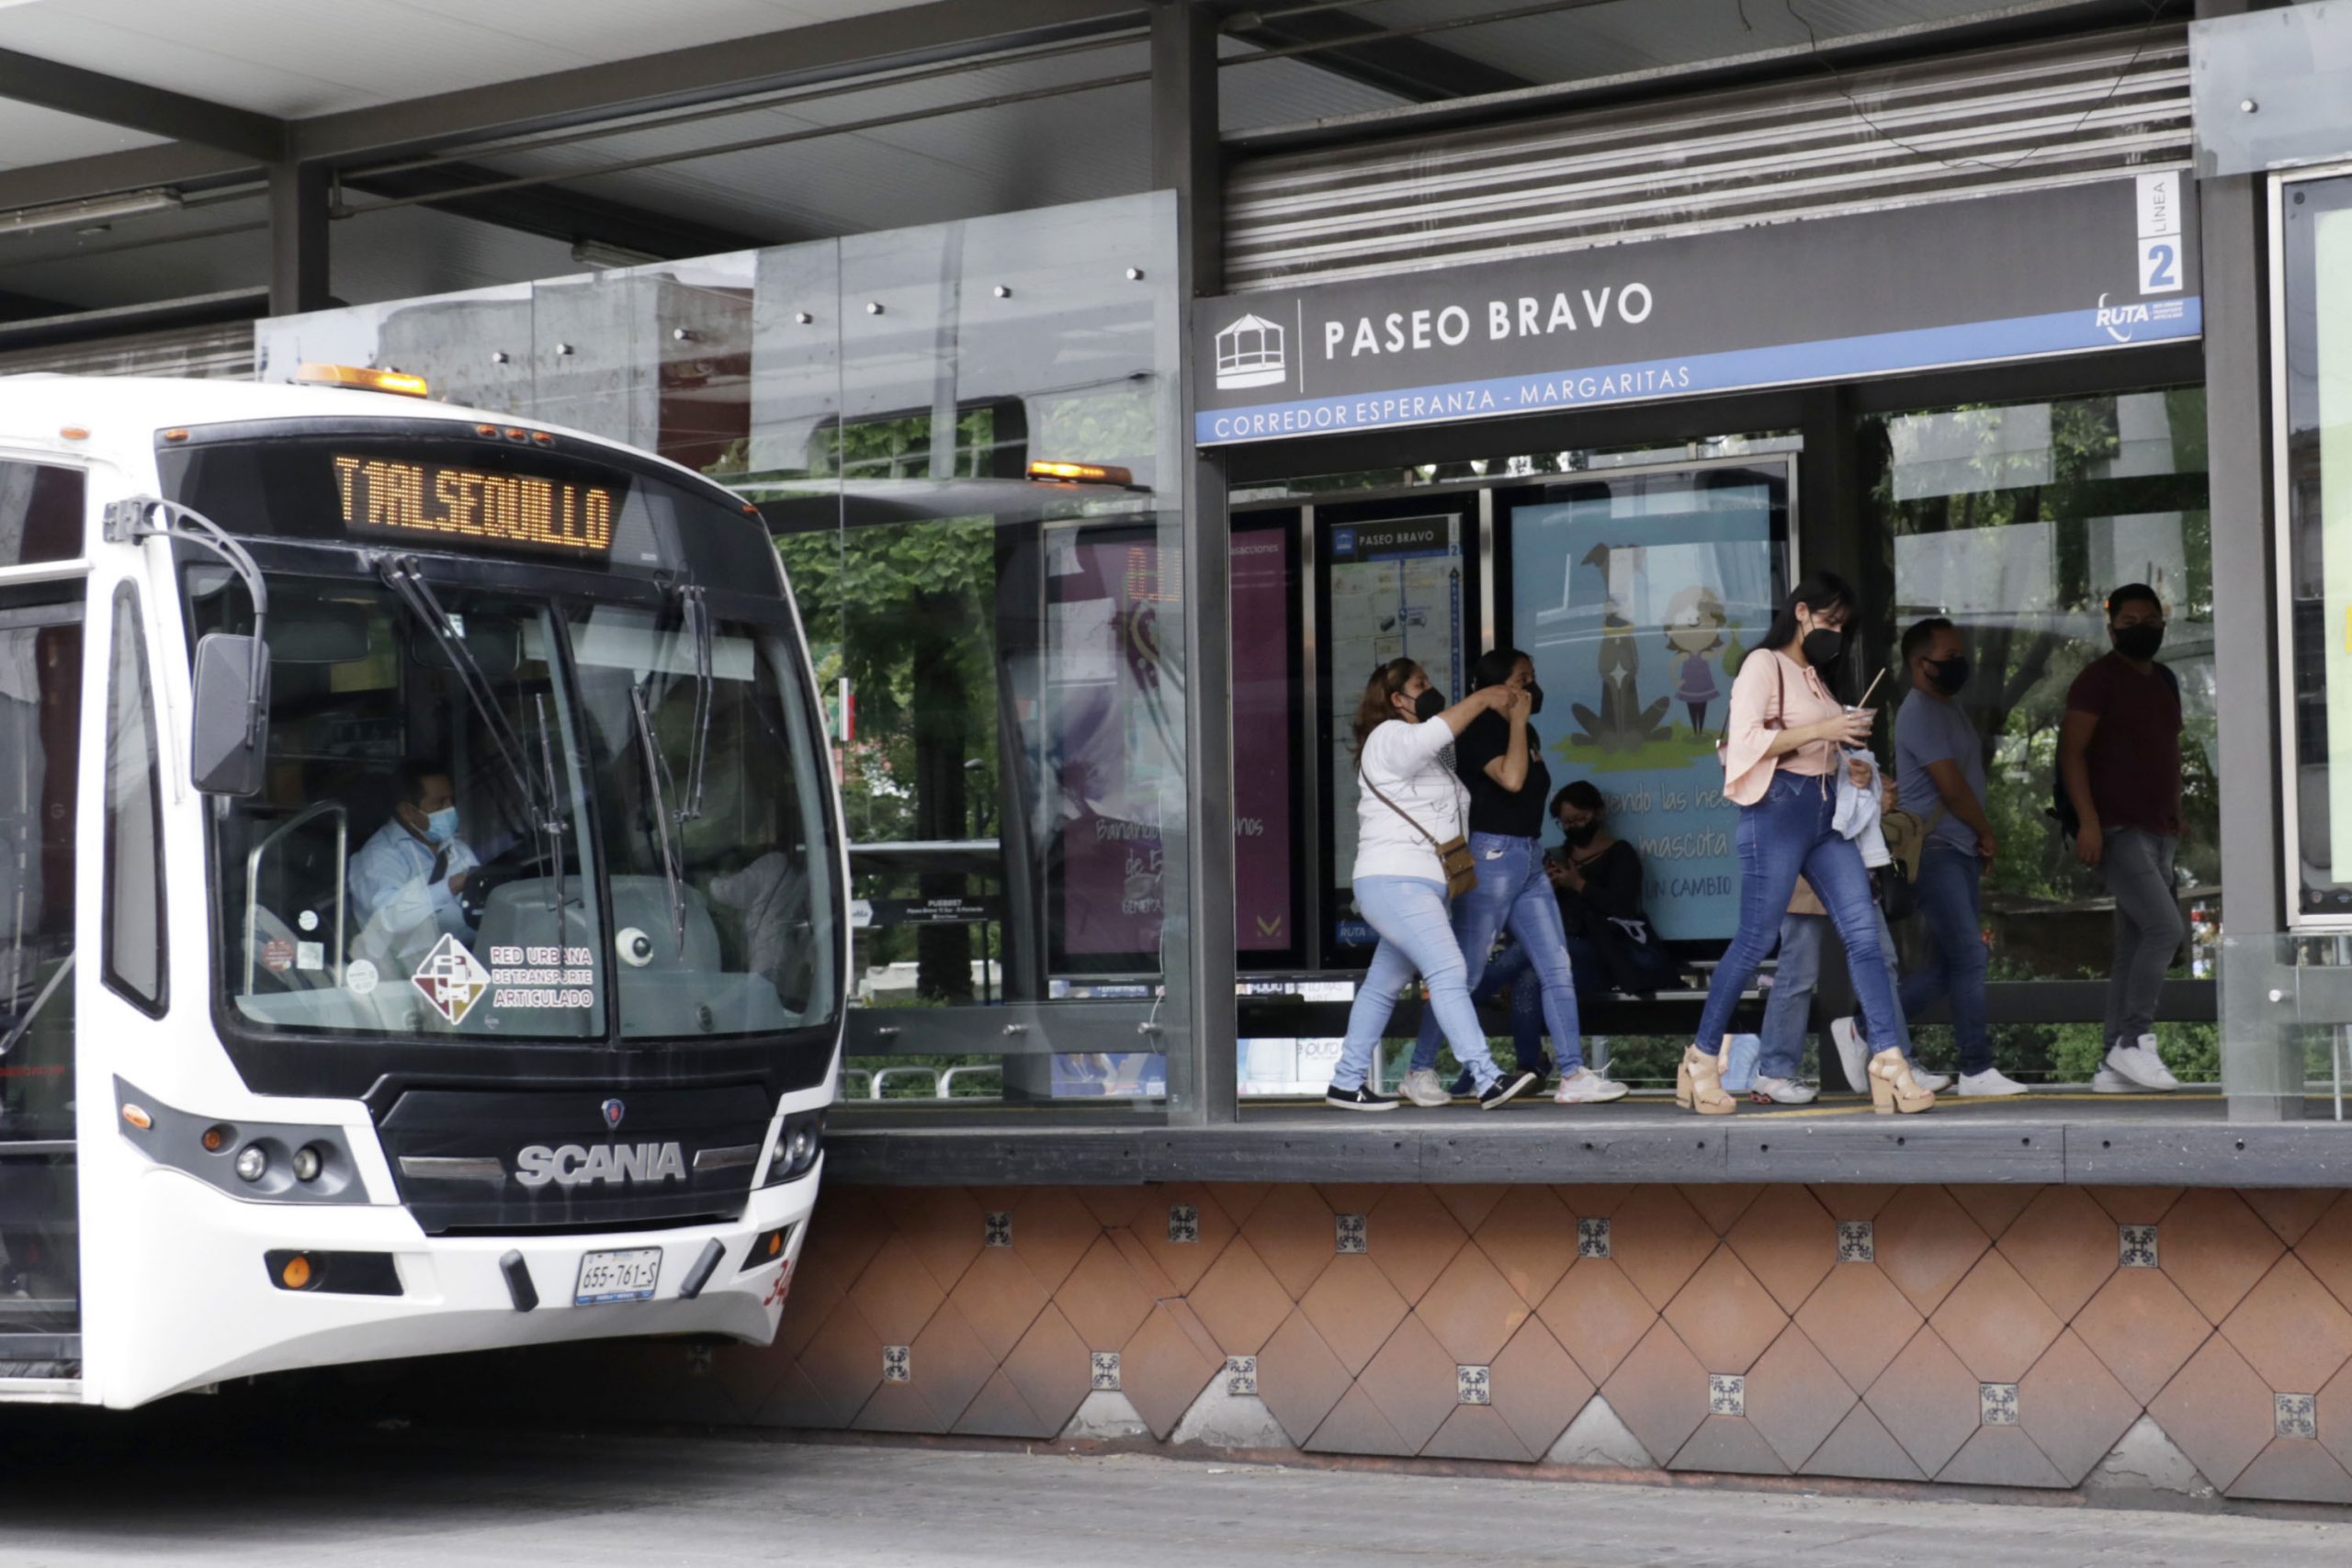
2011, 277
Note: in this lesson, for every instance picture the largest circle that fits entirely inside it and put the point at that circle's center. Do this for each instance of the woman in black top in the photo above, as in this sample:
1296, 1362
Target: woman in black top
1599, 879
1499, 760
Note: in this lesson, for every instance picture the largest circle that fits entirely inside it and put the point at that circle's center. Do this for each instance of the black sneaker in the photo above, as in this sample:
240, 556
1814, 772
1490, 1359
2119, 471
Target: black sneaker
1504, 1089
1359, 1099
1463, 1086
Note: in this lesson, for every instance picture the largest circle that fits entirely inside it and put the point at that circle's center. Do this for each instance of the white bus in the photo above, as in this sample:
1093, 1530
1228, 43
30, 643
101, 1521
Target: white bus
421, 888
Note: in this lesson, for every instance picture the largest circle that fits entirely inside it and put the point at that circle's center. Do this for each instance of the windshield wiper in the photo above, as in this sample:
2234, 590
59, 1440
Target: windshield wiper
693, 617
657, 779
555, 869
400, 575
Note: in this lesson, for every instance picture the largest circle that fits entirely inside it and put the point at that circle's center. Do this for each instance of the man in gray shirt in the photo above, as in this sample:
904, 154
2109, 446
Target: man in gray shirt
1940, 776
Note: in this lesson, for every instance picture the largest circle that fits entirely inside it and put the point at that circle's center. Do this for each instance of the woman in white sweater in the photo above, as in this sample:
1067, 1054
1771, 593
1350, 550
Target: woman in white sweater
1410, 801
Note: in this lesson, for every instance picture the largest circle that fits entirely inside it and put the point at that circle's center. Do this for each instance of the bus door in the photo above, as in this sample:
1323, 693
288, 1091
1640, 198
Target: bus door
41, 675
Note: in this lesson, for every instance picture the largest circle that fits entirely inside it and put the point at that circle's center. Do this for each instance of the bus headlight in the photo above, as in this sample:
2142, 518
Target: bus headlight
253, 1163
256, 1162
307, 1163
797, 1147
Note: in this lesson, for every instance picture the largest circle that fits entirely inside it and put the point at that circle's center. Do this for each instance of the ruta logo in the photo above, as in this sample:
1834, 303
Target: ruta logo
2125, 317
1250, 354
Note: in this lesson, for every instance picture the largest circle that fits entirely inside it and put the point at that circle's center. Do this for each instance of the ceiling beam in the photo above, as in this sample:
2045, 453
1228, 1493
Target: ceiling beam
133, 106
560, 214
822, 52
184, 164
1414, 68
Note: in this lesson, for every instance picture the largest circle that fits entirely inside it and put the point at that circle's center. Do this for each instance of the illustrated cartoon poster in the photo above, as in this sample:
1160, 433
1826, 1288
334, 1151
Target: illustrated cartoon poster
1637, 597
1396, 593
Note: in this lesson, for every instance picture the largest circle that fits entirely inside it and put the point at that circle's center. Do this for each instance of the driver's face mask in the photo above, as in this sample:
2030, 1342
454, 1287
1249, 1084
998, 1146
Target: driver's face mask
441, 826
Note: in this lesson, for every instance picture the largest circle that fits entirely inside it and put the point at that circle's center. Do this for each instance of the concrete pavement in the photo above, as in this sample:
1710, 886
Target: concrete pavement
260, 1491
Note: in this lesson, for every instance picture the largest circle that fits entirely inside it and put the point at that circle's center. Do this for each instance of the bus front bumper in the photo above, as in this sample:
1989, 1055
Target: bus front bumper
191, 1296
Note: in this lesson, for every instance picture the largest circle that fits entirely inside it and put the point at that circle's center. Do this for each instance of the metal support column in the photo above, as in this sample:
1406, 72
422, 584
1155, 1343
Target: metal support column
298, 238
2267, 1080
1186, 158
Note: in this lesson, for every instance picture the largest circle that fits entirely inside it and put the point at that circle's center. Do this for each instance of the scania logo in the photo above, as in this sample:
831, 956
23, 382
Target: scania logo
614, 1111
610, 1165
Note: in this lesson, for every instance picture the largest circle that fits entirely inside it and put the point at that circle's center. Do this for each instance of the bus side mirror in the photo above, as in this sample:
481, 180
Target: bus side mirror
231, 741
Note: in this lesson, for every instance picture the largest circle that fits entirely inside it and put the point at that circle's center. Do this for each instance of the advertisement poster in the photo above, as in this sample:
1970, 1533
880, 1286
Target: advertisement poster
2331, 307
1115, 744
1637, 596
1264, 731
1396, 593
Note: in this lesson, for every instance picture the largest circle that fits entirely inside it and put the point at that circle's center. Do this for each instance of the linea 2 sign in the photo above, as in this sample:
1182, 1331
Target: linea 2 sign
2088, 267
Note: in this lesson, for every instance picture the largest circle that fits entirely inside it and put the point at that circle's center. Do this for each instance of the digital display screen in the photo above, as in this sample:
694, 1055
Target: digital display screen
397, 496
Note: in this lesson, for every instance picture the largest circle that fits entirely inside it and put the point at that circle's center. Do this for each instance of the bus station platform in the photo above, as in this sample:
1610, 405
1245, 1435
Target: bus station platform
2065, 1135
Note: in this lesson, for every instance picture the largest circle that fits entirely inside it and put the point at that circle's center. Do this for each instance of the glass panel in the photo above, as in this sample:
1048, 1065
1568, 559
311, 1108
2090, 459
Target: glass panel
1637, 595
2316, 232
40, 513
41, 716
1003, 657
134, 830
397, 874
658, 356
714, 796
1269, 795
2017, 521
40, 709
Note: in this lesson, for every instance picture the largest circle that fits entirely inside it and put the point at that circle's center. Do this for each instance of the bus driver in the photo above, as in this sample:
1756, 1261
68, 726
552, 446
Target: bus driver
405, 880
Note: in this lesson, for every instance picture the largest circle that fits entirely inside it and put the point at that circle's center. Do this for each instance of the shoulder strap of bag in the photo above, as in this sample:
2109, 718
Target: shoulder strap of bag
1366, 780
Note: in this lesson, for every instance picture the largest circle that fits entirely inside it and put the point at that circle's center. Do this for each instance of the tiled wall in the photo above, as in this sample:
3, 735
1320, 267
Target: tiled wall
1997, 1335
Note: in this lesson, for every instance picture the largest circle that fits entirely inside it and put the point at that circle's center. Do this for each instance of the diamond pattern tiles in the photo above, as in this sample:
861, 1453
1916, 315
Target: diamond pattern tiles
1850, 1359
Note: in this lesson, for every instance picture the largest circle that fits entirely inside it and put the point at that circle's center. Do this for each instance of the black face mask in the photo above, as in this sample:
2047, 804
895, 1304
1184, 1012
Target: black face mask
1429, 704
1948, 675
1534, 699
1822, 647
2139, 642
1582, 834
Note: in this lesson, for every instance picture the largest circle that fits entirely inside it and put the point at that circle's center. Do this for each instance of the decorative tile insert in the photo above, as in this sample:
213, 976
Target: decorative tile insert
1857, 1242
1727, 1394
1240, 1375
1102, 1371
1473, 1385
1353, 1234
898, 1364
2298, 1415
1996, 1404
1592, 1237
1183, 1227
2137, 1245
996, 1229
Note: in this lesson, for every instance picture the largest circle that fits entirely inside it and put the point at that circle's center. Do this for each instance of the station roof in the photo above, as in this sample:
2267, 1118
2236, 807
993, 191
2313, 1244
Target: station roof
486, 141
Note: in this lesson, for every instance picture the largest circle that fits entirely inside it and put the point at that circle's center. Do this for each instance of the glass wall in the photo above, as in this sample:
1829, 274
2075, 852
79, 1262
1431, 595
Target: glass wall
2015, 521
999, 645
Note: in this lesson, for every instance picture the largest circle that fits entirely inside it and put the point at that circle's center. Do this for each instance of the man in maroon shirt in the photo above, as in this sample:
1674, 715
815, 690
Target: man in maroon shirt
2119, 753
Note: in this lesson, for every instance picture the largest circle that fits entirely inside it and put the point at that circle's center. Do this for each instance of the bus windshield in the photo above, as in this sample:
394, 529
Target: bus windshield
468, 829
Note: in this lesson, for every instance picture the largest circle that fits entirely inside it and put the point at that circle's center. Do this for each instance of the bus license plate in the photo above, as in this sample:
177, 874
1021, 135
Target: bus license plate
627, 1276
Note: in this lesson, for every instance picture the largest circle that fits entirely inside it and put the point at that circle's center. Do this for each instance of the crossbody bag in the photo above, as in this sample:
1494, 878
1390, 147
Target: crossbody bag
1461, 870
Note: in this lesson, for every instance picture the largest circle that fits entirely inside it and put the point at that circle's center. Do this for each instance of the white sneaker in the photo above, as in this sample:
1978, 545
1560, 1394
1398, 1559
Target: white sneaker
2140, 1064
1420, 1087
1853, 1052
2107, 1080
1990, 1082
1934, 1083
1784, 1091
1585, 1086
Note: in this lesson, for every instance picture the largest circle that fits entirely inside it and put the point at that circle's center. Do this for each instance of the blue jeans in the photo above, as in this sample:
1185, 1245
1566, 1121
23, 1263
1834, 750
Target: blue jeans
1956, 963
1791, 833
1513, 893
1415, 936
1788, 1005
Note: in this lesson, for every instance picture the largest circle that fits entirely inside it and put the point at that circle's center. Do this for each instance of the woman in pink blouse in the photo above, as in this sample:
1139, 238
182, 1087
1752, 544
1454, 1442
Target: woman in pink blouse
1783, 753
